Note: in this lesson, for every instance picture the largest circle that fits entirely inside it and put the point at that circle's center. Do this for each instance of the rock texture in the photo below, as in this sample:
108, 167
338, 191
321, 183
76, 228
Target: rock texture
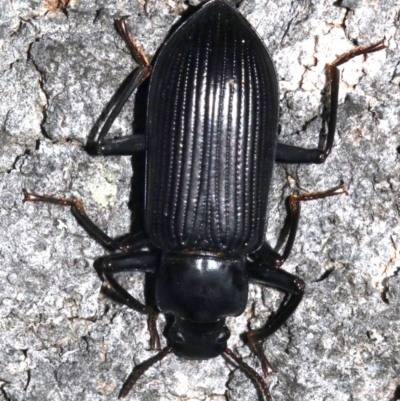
61, 339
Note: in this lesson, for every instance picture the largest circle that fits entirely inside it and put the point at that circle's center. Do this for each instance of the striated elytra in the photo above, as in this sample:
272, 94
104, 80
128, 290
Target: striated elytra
210, 145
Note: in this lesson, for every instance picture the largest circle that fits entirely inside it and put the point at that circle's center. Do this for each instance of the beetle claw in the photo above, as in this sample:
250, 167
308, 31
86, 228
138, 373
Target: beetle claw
265, 364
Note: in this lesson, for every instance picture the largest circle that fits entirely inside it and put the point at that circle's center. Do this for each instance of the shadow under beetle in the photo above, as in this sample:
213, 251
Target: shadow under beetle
210, 143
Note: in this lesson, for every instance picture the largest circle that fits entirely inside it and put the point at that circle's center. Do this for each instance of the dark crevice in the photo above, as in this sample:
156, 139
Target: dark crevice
99, 13
231, 375
344, 26
298, 16
325, 275
23, 21
290, 339
396, 72
287, 29
113, 316
305, 126
13, 166
91, 319
63, 7
4, 394
17, 29
11, 65
384, 295
230, 378
28, 379
305, 12
28, 372
86, 342
385, 284
41, 84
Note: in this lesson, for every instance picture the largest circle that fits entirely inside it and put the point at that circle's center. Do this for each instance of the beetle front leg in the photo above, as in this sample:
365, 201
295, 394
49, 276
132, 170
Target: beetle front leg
269, 276
144, 262
298, 155
290, 229
130, 144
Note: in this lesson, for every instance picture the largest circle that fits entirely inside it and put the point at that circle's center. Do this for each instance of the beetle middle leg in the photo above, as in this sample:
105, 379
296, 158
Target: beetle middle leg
138, 255
294, 201
79, 213
295, 154
268, 272
125, 145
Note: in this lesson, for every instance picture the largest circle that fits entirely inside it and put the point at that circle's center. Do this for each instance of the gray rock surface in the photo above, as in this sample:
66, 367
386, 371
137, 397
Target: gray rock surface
61, 339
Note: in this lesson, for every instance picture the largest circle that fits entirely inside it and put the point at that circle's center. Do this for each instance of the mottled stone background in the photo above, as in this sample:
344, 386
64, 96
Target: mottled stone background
61, 339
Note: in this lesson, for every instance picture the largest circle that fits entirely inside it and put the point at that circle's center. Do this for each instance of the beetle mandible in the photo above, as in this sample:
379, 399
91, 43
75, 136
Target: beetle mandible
210, 143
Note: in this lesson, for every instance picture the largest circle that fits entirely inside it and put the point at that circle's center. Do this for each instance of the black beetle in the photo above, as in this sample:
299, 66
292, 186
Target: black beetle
211, 143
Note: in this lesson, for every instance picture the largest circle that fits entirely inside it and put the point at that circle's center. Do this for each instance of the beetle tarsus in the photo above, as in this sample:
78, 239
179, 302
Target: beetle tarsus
79, 213
140, 369
136, 52
272, 257
251, 372
32, 197
257, 348
358, 51
295, 154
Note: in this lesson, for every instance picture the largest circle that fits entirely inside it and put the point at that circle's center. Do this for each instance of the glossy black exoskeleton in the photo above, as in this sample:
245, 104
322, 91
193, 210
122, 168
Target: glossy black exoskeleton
211, 144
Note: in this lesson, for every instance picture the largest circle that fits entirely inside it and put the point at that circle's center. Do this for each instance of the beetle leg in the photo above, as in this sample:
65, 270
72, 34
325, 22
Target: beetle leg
290, 228
83, 219
269, 276
120, 146
138, 371
136, 242
295, 154
126, 145
251, 372
136, 51
145, 262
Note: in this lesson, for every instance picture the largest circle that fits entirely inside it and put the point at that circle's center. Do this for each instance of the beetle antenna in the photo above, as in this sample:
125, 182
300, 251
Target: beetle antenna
251, 372
138, 371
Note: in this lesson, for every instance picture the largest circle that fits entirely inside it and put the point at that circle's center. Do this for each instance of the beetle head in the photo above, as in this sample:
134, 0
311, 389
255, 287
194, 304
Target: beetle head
198, 340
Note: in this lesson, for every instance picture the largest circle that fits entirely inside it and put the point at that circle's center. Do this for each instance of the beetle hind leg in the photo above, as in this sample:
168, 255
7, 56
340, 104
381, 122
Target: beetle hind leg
268, 273
279, 279
140, 369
